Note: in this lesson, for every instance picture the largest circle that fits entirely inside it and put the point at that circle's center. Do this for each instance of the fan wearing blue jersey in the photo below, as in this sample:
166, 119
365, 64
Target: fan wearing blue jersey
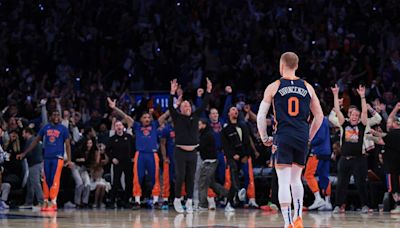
54, 136
292, 100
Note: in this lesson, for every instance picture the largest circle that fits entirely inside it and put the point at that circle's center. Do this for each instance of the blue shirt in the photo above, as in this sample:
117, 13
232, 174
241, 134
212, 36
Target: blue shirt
54, 137
146, 137
321, 143
169, 134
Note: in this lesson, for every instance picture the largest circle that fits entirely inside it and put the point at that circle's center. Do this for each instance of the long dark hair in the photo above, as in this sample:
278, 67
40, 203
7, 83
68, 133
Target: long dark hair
91, 156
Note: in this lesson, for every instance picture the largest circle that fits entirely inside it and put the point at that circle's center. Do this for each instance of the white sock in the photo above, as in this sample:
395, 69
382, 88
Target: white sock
287, 215
327, 199
297, 191
317, 196
155, 199
137, 199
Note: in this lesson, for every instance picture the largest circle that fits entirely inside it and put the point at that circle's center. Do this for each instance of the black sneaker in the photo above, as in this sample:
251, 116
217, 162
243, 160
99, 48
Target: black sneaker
136, 206
110, 206
157, 206
165, 205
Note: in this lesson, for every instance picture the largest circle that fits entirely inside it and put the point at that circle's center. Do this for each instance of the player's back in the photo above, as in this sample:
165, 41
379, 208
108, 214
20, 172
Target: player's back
292, 110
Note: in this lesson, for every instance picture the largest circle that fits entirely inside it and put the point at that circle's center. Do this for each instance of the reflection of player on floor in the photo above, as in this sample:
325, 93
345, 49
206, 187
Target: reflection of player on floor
292, 100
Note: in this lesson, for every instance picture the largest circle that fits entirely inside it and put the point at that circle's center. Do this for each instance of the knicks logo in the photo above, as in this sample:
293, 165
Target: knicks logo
146, 130
52, 135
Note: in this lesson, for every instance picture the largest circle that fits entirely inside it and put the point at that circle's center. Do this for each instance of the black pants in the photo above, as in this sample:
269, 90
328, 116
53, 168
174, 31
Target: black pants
274, 188
235, 183
117, 191
358, 167
185, 170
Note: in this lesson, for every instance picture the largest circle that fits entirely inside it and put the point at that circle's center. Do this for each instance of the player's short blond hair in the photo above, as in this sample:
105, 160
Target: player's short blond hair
290, 59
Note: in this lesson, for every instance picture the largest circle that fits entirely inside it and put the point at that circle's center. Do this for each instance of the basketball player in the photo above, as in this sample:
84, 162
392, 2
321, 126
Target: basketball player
292, 100
54, 136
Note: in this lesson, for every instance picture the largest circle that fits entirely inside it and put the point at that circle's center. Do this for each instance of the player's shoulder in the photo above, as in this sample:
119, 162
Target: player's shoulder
273, 87
309, 87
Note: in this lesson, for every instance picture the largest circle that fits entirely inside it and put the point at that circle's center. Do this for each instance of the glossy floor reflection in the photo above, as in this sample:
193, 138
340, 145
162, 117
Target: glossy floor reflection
165, 219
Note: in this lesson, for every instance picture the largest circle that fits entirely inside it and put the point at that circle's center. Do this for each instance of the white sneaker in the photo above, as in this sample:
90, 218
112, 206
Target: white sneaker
4, 205
317, 204
396, 210
211, 203
253, 204
69, 205
196, 205
326, 207
178, 206
189, 206
25, 207
202, 209
242, 194
229, 208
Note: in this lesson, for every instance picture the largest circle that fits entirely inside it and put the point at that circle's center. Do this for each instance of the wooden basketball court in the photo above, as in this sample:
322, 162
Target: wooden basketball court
170, 219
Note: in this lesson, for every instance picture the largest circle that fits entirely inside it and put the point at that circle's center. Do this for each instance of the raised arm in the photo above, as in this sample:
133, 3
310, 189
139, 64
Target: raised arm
339, 114
163, 117
316, 110
127, 118
199, 101
392, 116
263, 111
364, 109
376, 118
252, 116
171, 108
206, 99
228, 103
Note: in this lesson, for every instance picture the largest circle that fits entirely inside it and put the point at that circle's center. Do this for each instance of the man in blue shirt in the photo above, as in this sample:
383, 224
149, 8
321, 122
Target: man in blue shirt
54, 136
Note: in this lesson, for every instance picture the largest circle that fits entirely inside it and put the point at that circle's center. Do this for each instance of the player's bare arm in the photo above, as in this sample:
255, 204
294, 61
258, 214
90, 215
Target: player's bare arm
316, 110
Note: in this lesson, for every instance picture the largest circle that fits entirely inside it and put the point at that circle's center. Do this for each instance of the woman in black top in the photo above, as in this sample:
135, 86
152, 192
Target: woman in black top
80, 172
186, 125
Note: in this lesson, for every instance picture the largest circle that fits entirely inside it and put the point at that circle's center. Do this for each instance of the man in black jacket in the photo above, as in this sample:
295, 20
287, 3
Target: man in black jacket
120, 149
208, 154
186, 125
236, 144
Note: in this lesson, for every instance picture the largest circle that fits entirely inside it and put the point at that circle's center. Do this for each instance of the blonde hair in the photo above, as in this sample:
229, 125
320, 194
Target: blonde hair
290, 59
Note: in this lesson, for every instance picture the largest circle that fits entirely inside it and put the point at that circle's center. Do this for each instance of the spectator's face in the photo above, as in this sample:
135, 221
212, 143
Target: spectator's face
12, 123
66, 114
213, 115
350, 111
13, 136
201, 125
103, 128
233, 113
77, 117
55, 117
186, 108
354, 117
119, 127
89, 144
145, 119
